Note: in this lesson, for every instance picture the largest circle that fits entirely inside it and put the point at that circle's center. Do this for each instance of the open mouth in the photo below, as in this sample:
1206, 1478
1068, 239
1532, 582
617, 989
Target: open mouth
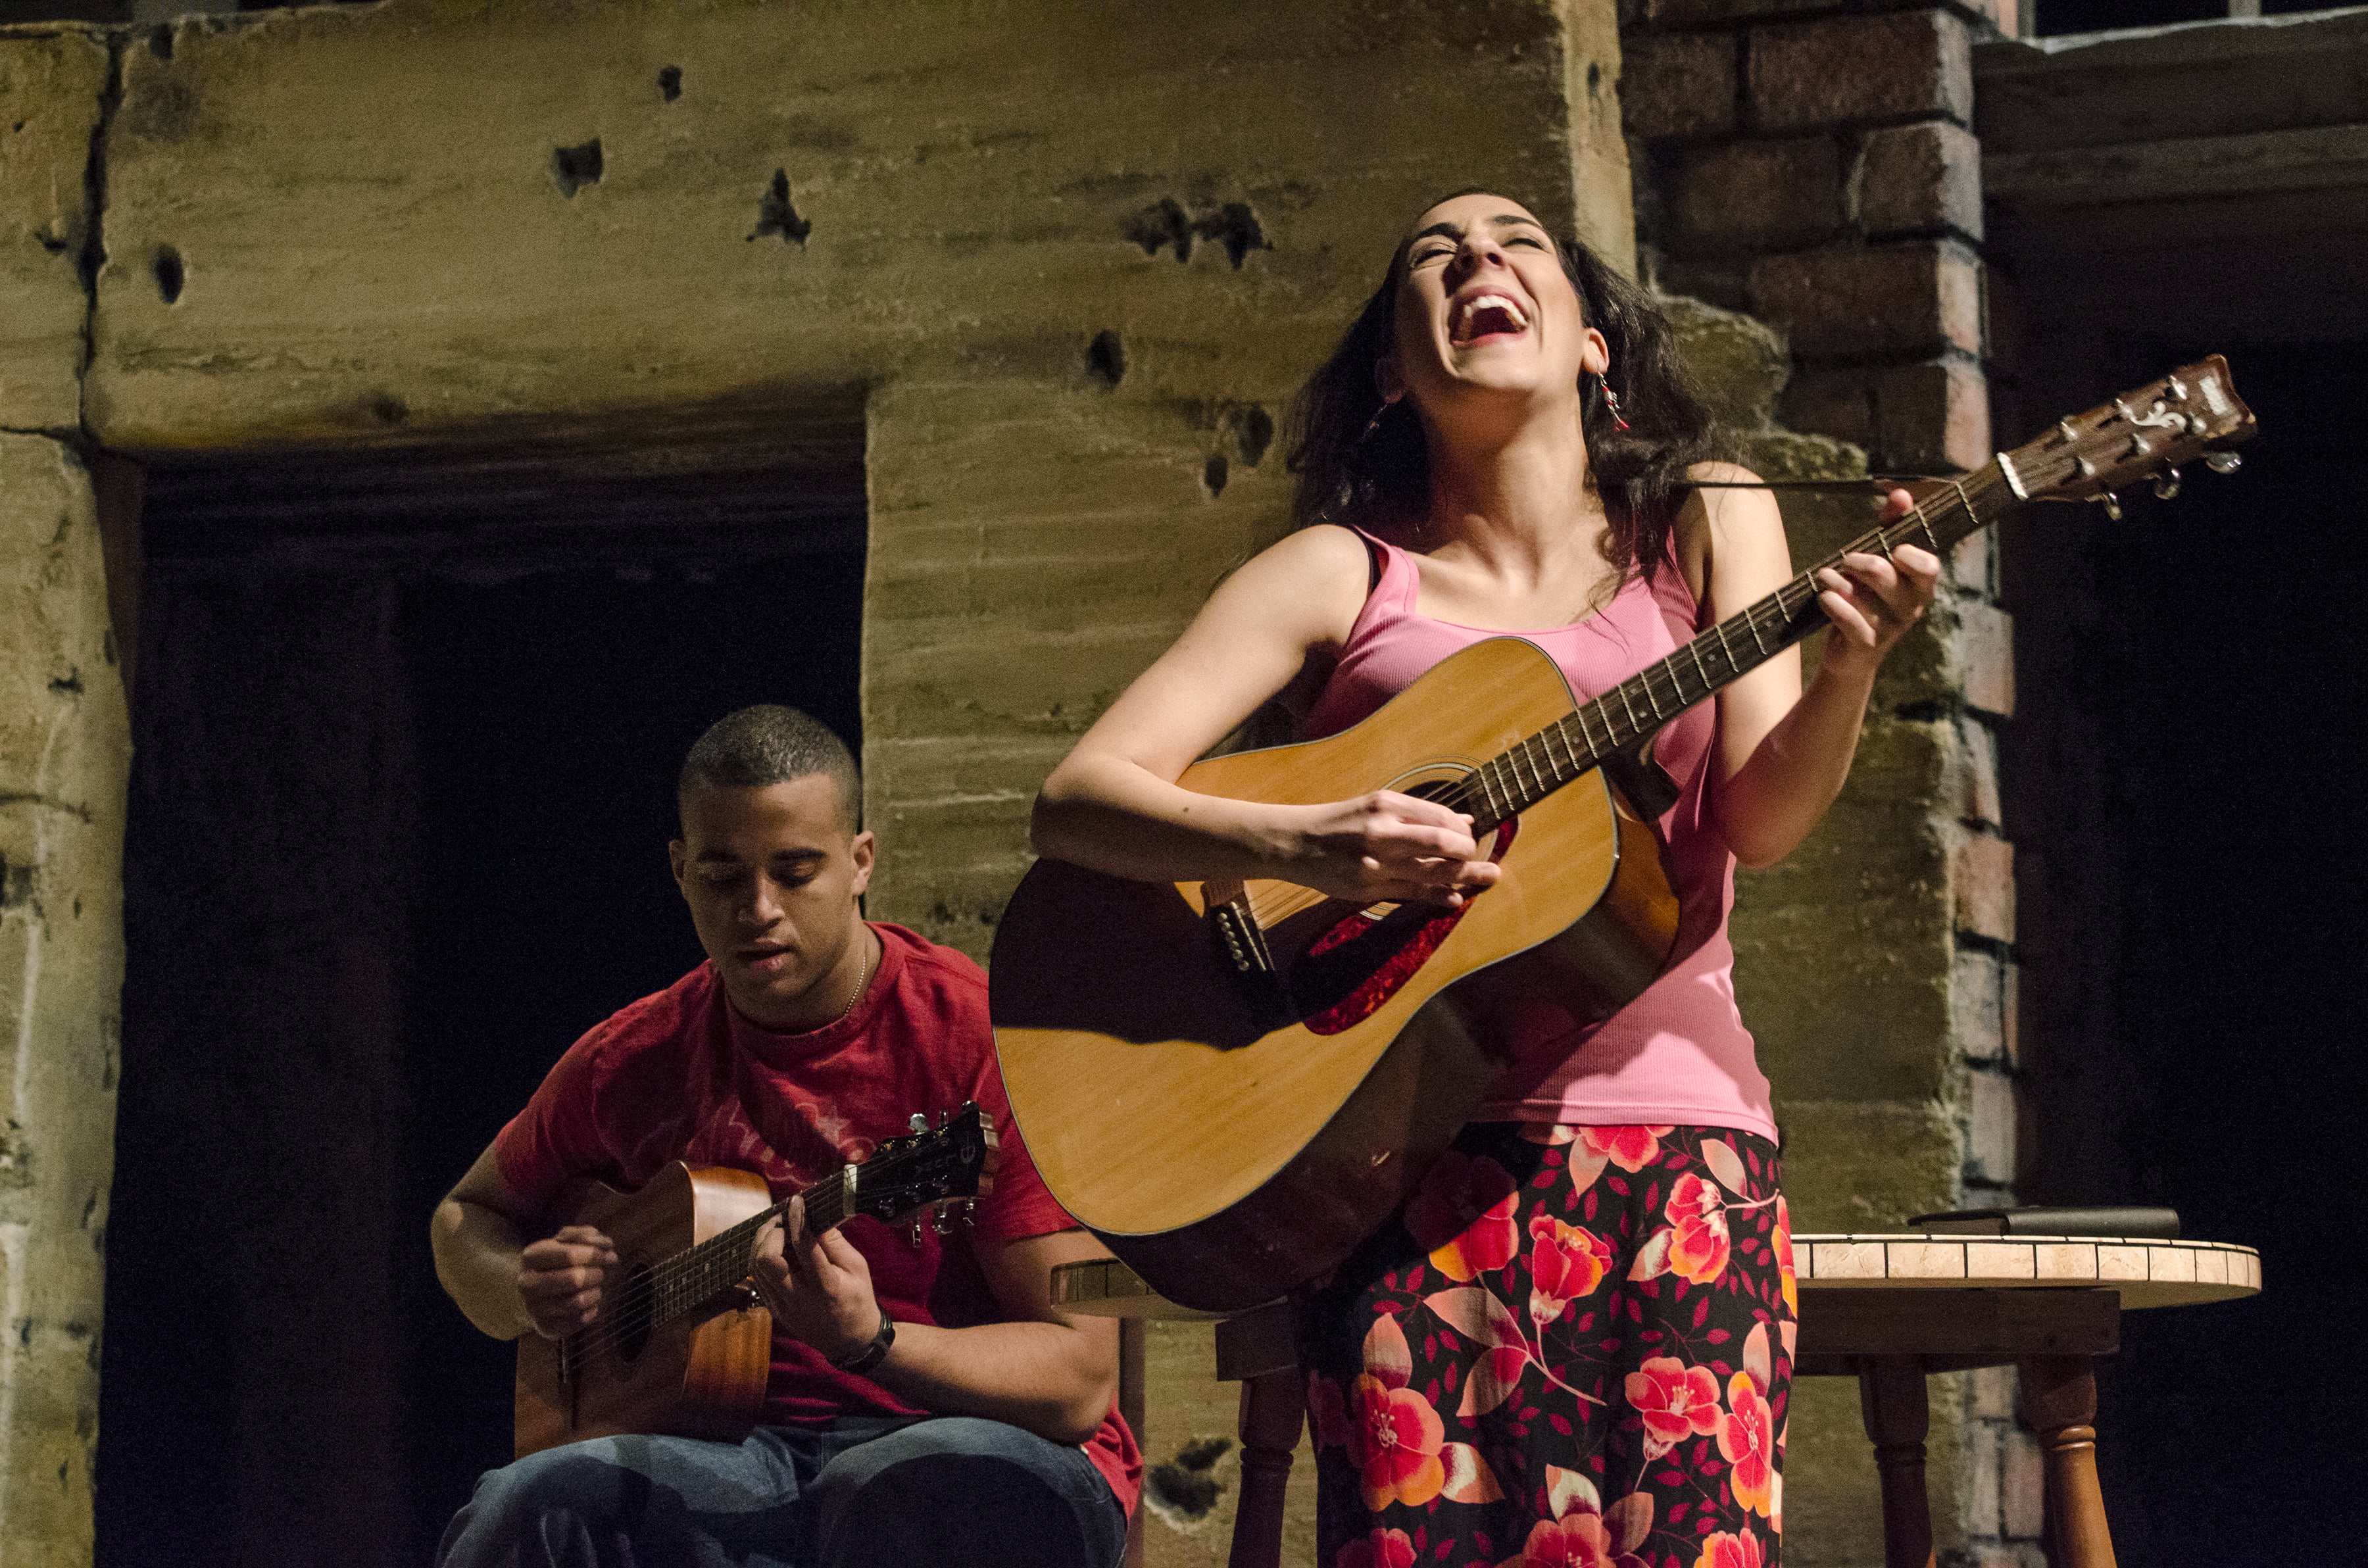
1486, 315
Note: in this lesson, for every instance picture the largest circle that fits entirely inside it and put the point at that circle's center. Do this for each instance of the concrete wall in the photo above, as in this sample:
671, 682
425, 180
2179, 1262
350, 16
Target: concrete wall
64, 752
1071, 314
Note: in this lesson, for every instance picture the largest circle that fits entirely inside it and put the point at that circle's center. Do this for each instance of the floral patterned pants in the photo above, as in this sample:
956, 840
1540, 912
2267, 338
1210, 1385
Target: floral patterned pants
1571, 1350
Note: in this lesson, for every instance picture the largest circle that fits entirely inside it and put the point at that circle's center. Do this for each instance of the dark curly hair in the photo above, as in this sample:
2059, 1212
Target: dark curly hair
1347, 476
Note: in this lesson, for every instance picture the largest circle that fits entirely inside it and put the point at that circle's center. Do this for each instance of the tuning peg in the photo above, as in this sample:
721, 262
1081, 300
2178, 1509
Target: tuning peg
2166, 485
969, 1209
918, 1122
941, 1222
915, 1232
2112, 504
2222, 462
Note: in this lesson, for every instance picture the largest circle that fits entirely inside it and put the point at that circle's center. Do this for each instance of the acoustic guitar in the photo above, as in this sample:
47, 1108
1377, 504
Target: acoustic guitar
1233, 1084
682, 1343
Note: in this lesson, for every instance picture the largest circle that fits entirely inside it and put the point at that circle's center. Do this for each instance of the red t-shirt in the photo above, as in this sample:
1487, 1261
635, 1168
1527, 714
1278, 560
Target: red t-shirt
681, 1075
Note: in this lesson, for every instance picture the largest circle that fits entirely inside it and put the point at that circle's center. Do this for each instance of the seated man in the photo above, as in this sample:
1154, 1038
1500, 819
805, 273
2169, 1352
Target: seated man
925, 1403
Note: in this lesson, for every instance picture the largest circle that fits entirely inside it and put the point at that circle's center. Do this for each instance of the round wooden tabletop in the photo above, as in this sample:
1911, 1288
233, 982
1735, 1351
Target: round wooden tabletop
2147, 1272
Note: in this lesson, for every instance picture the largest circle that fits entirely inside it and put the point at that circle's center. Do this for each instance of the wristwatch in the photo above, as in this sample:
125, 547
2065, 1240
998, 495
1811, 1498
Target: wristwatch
874, 1353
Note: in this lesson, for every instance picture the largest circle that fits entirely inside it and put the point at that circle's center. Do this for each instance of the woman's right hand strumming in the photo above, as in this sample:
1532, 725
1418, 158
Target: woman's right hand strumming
1389, 847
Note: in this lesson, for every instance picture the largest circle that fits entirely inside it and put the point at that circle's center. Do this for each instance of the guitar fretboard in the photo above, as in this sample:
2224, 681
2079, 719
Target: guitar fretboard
1533, 769
699, 1274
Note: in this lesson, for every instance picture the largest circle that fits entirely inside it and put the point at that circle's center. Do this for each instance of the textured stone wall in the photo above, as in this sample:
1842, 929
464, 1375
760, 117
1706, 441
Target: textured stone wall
64, 751
1821, 174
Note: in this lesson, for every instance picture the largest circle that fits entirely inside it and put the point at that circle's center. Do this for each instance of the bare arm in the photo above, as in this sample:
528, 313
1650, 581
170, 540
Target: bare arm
1783, 753
502, 1283
1113, 803
1041, 1370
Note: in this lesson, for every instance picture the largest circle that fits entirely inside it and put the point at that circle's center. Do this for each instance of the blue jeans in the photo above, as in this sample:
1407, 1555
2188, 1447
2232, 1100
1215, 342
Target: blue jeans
864, 1492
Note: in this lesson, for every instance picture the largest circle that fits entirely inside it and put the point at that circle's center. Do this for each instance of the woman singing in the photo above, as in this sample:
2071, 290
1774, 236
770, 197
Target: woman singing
1573, 1344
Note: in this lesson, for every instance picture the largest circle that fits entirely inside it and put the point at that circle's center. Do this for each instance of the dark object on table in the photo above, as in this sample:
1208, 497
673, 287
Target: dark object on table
2152, 1224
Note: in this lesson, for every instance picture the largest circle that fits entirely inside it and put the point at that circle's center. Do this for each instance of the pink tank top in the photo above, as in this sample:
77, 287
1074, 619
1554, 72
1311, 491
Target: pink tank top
1678, 1055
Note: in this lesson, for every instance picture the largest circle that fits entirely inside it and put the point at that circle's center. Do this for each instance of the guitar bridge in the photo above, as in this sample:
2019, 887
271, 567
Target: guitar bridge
1242, 942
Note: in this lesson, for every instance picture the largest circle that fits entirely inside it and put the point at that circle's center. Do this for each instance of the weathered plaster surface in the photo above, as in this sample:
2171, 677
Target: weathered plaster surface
64, 755
374, 234
51, 85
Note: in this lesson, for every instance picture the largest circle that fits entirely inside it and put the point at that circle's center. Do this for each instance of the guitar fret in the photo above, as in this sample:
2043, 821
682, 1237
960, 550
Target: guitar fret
1677, 687
1645, 678
1584, 739
1636, 726
1514, 759
1733, 668
1487, 790
1752, 619
1693, 646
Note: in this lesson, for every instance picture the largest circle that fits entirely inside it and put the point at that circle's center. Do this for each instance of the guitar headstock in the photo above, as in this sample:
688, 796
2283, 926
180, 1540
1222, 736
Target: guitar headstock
929, 1168
2194, 412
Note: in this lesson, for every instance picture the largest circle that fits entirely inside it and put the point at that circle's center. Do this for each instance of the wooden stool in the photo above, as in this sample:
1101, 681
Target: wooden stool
1256, 1349
1890, 1309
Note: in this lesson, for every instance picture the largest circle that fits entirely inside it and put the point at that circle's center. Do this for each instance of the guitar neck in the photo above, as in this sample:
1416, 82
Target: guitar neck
701, 1272
1524, 774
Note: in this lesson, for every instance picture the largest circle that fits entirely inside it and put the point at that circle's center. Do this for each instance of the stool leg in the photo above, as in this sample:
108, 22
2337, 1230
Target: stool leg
2059, 1400
1273, 1405
1892, 1400
1129, 1409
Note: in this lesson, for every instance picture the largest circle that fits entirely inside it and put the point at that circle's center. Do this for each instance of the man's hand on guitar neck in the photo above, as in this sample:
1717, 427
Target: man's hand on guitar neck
561, 1277
817, 1288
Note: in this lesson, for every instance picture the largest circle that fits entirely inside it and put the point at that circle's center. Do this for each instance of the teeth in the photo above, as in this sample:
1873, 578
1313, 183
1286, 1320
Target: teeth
1479, 303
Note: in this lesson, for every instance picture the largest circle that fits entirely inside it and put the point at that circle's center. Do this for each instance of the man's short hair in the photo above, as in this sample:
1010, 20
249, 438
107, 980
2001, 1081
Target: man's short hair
771, 745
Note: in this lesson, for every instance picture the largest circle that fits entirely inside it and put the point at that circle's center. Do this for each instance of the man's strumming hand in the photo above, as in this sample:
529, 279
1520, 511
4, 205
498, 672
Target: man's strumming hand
560, 1278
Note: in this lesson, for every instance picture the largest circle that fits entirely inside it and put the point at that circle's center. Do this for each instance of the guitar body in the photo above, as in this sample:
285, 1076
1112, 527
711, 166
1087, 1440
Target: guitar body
1233, 1137
700, 1375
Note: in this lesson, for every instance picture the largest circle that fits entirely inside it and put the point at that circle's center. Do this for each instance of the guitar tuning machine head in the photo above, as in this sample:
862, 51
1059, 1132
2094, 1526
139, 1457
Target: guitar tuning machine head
2112, 504
941, 1221
2222, 462
2166, 485
918, 1122
914, 1235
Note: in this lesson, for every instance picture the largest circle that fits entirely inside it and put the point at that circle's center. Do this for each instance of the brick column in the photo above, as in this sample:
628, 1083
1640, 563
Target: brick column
1820, 175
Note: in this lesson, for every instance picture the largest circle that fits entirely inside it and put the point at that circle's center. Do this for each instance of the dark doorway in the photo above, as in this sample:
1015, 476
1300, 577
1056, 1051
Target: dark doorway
2192, 696
398, 832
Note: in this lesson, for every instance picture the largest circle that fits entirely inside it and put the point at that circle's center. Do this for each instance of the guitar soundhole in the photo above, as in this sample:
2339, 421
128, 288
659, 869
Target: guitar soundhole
634, 1305
1371, 961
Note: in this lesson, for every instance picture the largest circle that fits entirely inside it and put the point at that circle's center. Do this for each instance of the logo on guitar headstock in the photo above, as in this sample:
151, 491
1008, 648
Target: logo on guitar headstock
2192, 412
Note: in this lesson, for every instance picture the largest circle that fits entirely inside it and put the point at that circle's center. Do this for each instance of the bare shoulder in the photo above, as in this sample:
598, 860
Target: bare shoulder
1313, 580
1318, 554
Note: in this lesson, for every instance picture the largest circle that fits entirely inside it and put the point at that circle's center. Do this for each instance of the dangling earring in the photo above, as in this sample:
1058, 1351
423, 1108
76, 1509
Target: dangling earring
1375, 422
1612, 404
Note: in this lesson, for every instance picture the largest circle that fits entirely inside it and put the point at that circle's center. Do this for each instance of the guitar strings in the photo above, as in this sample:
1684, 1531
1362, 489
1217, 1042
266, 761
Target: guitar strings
659, 1296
